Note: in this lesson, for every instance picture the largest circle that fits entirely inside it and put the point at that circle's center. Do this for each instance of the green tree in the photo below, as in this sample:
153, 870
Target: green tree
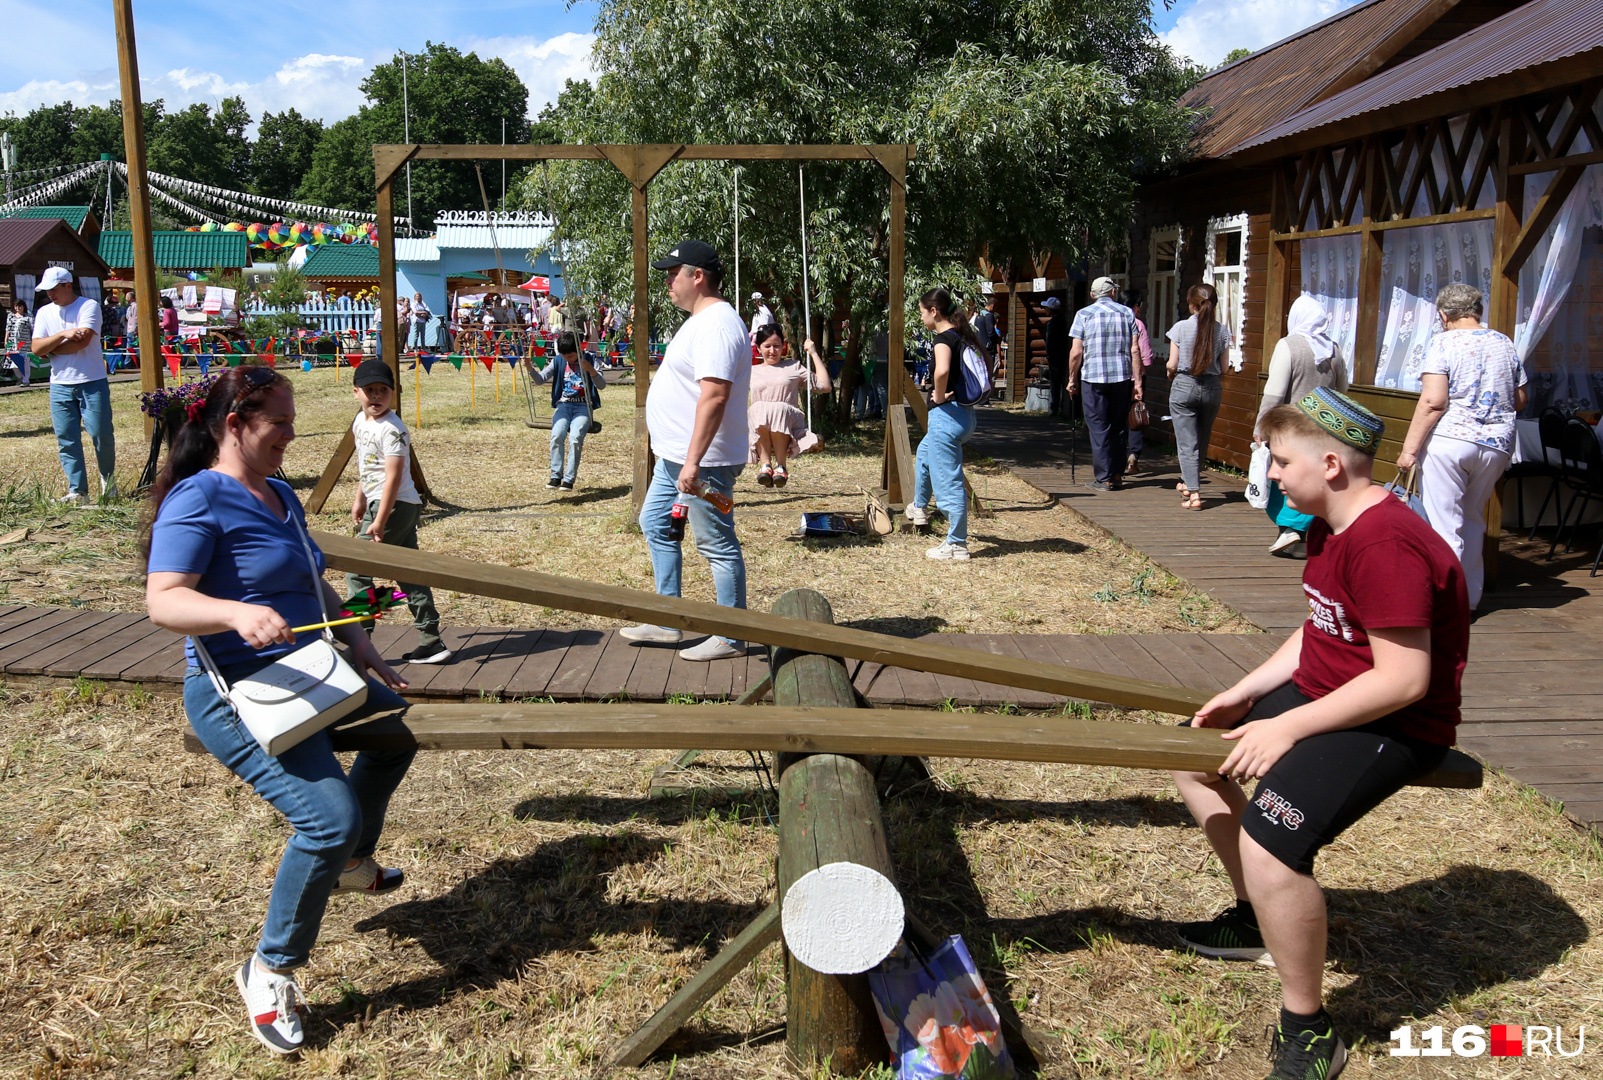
282, 155
1233, 55
198, 145
453, 98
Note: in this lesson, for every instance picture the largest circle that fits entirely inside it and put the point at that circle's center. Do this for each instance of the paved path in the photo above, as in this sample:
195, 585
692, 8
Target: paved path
1533, 688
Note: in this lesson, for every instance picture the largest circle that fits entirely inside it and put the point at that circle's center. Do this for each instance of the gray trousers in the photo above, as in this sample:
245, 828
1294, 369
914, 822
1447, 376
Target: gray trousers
401, 530
1193, 405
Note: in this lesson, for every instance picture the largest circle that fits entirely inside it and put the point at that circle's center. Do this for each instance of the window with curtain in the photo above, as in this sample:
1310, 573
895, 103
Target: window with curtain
1226, 271
1330, 276
1163, 299
1415, 264
1559, 329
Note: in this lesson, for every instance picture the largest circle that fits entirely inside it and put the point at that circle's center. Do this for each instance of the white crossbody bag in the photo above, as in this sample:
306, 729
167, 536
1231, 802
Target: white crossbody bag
299, 693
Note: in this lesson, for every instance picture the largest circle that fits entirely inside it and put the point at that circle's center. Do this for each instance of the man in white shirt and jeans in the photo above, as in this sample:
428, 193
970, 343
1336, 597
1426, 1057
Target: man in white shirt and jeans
696, 414
67, 331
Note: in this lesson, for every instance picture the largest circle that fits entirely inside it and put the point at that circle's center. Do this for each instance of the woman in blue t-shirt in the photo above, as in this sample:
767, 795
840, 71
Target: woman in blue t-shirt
227, 561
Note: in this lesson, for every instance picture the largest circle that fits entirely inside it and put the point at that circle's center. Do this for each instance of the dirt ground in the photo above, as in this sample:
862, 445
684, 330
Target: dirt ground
550, 907
488, 471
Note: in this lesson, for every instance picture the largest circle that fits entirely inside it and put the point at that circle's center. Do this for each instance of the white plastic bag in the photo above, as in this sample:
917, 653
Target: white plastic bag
1258, 477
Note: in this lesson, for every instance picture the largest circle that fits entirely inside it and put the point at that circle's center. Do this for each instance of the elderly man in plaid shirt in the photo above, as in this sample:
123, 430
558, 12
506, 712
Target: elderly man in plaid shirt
1105, 363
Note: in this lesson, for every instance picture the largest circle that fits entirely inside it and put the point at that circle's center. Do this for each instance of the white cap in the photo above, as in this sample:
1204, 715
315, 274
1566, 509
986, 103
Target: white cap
1103, 286
756, 296
56, 275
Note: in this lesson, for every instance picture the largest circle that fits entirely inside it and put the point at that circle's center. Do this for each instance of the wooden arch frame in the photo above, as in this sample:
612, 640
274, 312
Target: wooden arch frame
640, 164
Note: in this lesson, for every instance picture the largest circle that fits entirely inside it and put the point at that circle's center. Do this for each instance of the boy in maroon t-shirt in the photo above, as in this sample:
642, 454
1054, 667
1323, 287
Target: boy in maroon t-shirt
1360, 701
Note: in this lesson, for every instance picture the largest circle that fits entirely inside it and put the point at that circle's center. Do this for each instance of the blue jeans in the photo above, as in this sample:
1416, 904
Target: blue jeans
335, 817
74, 407
714, 532
572, 421
938, 466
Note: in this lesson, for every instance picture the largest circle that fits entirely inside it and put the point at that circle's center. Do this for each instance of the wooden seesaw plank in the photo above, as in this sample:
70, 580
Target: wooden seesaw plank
630, 605
602, 726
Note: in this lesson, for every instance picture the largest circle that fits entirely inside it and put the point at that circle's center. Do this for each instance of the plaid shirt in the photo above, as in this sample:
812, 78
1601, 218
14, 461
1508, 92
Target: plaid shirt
1106, 329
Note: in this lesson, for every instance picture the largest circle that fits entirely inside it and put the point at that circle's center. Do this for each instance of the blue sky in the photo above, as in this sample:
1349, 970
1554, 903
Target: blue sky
312, 56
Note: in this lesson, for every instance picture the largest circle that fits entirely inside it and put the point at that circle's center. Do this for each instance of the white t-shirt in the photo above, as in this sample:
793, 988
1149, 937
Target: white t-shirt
376, 440
762, 318
711, 344
87, 364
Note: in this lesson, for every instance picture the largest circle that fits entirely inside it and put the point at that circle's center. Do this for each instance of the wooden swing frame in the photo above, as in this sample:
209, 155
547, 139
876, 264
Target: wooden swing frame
640, 164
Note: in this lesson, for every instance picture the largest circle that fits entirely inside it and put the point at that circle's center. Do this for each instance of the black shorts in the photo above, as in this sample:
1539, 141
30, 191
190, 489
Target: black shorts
1326, 782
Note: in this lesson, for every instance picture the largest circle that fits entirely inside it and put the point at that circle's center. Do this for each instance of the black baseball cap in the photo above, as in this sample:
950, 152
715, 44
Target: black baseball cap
373, 371
695, 253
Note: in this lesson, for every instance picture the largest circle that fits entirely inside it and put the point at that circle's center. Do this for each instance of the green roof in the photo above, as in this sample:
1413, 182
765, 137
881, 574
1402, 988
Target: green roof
72, 215
178, 250
342, 261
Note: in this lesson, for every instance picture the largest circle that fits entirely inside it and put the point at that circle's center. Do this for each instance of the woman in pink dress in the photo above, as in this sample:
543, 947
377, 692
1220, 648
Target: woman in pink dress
777, 424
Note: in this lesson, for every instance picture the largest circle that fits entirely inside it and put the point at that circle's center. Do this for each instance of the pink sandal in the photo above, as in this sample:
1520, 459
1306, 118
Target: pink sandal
765, 476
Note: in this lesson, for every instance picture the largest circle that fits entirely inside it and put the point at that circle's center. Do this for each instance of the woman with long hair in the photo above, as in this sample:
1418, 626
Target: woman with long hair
775, 418
938, 467
229, 563
1197, 347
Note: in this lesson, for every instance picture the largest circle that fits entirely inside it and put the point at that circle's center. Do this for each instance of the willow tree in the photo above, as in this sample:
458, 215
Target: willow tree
1031, 118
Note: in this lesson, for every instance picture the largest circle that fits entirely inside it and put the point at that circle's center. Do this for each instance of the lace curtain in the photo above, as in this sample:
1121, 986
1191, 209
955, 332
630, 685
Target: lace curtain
1330, 275
1559, 330
1415, 264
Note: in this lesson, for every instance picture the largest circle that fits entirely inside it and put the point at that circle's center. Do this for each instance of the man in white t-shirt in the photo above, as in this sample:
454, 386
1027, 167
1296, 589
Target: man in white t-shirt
762, 317
696, 415
67, 331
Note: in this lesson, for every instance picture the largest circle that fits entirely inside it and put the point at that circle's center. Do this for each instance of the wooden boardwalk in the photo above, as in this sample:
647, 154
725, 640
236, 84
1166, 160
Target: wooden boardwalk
1533, 687
50, 644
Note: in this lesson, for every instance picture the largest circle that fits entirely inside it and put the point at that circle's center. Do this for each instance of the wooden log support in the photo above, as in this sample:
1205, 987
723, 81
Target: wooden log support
839, 909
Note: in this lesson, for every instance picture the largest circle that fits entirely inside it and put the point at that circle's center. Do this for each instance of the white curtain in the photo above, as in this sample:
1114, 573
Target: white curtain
1551, 312
1415, 264
90, 287
1330, 275
25, 285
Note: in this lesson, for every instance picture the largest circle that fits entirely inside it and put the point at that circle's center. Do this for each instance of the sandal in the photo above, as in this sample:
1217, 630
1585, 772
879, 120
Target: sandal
1193, 501
765, 476
781, 477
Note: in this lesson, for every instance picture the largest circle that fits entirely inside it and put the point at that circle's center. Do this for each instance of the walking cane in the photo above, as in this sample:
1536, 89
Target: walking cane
1074, 441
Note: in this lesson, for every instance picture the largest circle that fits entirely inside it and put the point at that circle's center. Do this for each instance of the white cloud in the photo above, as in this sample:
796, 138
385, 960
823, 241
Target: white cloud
544, 65
1208, 30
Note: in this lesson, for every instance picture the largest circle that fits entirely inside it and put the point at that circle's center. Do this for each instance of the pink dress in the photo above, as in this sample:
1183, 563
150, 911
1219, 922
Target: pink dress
775, 393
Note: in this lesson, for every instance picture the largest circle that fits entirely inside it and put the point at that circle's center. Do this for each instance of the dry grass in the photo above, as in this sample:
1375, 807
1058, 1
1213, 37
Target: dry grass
550, 907
1038, 568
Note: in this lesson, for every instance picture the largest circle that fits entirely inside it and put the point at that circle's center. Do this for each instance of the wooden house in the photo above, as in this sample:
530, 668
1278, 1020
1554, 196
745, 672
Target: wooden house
1374, 157
29, 246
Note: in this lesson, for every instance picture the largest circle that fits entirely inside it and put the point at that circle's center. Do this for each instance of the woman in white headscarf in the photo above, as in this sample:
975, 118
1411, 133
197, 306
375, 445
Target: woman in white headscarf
1305, 358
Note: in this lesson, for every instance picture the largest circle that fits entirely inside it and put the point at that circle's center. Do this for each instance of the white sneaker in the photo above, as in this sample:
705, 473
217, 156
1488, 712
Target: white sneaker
108, 488
647, 632
917, 515
952, 552
1286, 539
275, 1004
70, 497
369, 877
714, 648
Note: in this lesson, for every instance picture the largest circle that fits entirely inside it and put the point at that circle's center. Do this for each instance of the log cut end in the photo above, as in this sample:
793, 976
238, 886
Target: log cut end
842, 918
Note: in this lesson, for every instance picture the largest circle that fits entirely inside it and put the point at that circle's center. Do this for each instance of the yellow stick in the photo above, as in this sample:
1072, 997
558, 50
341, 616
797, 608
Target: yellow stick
335, 622
497, 379
473, 380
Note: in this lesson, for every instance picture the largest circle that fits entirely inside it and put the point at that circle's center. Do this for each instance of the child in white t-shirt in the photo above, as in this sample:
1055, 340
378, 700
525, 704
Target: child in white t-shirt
387, 507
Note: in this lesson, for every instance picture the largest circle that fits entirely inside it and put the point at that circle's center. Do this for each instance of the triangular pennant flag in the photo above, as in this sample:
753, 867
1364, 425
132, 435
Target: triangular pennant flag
456, 361
233, 360
270, 358
353, 358
488, 362
272, 341
172, 360
113, 362
428, 360
205, 365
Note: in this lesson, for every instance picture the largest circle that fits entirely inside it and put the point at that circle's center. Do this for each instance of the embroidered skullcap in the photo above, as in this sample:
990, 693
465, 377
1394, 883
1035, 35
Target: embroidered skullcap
1344, 418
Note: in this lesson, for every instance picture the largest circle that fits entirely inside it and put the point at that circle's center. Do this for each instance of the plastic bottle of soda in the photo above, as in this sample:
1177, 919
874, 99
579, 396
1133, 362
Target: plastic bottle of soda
719, 501
676, 521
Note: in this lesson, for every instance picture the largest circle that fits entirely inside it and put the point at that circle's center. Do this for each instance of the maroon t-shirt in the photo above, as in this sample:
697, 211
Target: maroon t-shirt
1388, 569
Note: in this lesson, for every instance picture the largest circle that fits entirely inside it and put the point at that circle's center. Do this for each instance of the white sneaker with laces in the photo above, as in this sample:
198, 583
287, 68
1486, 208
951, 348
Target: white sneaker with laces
661, 635
274, 1003
917, 515
1286, 539
714, 648
70, 497
952, 552
369, 877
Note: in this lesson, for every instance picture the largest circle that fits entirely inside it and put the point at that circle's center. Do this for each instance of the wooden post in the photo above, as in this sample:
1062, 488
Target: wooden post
1502, 307
642, 349
828, 814
146, 294
1366, 342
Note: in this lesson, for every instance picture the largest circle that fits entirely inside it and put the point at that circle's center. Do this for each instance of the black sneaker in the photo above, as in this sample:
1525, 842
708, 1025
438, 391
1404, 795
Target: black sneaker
567, 485
1306, 1055
437, 654
554, 482
1232, 935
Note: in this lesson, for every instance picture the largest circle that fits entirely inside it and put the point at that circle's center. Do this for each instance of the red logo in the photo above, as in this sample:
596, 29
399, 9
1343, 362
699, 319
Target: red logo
1506, 1041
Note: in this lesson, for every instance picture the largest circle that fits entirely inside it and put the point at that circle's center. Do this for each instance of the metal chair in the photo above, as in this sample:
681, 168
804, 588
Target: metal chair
1581, 461
1550, 426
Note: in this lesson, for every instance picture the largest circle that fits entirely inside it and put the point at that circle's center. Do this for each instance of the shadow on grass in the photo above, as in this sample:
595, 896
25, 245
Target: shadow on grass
998, 546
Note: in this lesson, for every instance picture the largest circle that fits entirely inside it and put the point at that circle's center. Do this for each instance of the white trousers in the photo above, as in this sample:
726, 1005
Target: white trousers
1456, 478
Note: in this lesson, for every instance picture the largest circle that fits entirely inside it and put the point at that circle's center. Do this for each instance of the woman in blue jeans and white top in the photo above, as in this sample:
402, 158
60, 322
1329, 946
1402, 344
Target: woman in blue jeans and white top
938, 466
227, 559
570, 376
1197, 347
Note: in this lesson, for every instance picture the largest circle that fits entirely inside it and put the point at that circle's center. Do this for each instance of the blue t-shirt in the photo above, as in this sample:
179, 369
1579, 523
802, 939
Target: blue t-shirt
211, 525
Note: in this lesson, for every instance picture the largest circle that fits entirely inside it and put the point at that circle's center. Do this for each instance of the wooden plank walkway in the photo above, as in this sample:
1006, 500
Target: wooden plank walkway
595, 665
1533, 687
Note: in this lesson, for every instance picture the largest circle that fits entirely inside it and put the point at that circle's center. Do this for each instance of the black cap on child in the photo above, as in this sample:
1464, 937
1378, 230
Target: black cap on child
374, 371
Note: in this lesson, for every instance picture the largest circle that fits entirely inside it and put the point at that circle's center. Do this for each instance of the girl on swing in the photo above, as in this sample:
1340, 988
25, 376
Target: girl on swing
777, 424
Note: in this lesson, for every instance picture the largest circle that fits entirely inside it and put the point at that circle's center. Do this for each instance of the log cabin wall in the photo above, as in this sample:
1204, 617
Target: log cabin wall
1021, 315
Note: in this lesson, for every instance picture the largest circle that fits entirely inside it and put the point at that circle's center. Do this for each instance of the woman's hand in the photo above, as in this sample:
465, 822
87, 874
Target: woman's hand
1258, 746
1223, 709
368, 660
261, 626
1406, 460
